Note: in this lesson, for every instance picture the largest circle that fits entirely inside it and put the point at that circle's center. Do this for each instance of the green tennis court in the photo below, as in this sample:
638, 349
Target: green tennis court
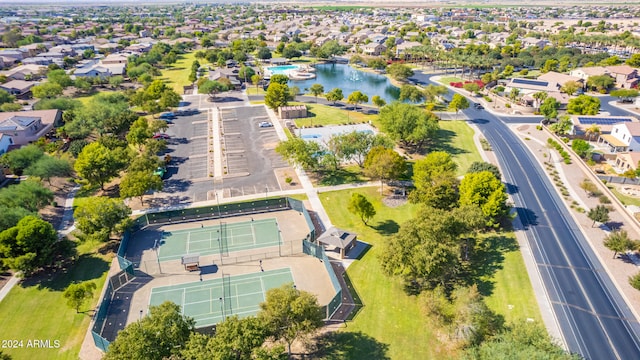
222, 238
209, 302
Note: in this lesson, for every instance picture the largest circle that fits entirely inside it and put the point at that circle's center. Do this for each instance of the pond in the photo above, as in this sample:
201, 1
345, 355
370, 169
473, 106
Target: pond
343, 76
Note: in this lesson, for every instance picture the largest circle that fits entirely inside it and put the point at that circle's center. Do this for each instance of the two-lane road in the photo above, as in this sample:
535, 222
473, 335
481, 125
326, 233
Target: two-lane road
594, 320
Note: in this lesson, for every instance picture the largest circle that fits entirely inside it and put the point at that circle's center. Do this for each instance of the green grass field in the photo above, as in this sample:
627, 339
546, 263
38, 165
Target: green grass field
624, 199
329, 115
85, 99
456, 138
445, 80
37, 310
177, 75
391, 321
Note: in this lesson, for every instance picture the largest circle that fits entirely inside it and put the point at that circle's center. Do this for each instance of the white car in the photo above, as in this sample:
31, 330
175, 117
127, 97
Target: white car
265, 124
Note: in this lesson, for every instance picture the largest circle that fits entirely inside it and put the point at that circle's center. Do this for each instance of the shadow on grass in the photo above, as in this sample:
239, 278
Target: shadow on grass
349, 345
488, 258
386, 227
338, 177
443, 142
357, 300
87, 267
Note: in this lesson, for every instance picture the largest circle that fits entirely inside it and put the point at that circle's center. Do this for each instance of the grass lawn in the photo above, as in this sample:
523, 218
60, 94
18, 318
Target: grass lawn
391, 322
252, 90
449, 79
331, 115
177, 75
85, 99
624, 199
37, 310
456, 138
512, 294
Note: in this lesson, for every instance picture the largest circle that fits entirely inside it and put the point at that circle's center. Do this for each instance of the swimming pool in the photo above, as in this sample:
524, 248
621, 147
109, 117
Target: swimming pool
282, 69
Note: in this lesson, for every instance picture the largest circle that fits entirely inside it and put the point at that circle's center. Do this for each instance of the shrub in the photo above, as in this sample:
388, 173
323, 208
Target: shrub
604, 199
635, 281
539, 127
507, 105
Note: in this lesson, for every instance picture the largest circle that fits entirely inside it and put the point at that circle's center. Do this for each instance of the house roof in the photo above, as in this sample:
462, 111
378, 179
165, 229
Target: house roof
337, 237
620, 69
20, 85
559, 78
47, 116
612, 140
633, 127
17, 122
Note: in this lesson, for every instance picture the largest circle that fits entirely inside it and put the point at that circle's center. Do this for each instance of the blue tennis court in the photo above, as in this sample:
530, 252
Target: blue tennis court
222, 238
211, 301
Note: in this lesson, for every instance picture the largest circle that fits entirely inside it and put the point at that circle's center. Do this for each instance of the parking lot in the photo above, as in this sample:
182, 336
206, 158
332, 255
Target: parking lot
248, 157
249, 153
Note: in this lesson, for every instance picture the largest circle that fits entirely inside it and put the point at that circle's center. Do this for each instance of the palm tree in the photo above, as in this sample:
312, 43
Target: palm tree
592, 130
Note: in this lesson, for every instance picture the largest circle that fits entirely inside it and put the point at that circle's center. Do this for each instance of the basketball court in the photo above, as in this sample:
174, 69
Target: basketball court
210, 302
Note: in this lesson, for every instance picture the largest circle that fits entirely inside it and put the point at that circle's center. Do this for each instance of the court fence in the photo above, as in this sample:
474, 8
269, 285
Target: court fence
210, 212
317, 251
115, 282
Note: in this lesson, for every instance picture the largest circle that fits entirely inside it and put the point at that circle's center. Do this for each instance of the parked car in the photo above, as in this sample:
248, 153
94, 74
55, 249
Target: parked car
187, 112
161, 136
478, 106
168, 115
265, 124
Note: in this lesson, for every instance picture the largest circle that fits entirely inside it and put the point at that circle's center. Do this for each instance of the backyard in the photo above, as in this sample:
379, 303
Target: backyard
39, 303
391, 321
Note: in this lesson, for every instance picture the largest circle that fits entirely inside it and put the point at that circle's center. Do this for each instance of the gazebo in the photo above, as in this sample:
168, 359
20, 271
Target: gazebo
339, 239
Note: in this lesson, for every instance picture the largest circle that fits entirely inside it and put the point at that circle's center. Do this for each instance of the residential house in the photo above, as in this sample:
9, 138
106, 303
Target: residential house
231, 74
92, 71
585, 72
115, 59
403, 48
625, 76
5, 142
624, 136
15, 54
626, 161
21, 89
604, 124
28, 126
533, 42
373, 49
530, 86
23, 72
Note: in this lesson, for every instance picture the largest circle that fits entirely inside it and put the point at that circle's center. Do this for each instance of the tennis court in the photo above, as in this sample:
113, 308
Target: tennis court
222, 238
209, 302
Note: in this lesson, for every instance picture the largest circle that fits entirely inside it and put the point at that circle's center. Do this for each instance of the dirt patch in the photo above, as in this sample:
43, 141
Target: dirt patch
394, 201
283, 173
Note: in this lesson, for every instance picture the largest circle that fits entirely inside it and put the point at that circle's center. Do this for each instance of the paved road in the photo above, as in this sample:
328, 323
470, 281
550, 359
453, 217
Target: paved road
594, 320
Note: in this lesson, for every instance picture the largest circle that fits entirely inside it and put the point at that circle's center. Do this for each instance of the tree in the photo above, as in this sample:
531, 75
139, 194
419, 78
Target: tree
300, 153
618, 241
435, 181
580, 147
211, 87
46, 90
20, 159
384, 164
478, 166
47, 167
116, 81
139, 132
11, 215
624, 94
316, 89
426, 251
138, 183
471, 87
5, 97
355, 146
600, 83
378, 101
101, 217
522, 340
29, 194
334, 95
431, 92
361, 207
484, 190
280, 79
9, 107
399, 72
570, 87
246, 73
599, 214
78, 293
356, 98
550, 65
408, 124
549, 108
155, 337
264, 53
98, 164
411, 93
289, 314
277, 95
583, 105
28, 246
59, 77
458, 102
169, 99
